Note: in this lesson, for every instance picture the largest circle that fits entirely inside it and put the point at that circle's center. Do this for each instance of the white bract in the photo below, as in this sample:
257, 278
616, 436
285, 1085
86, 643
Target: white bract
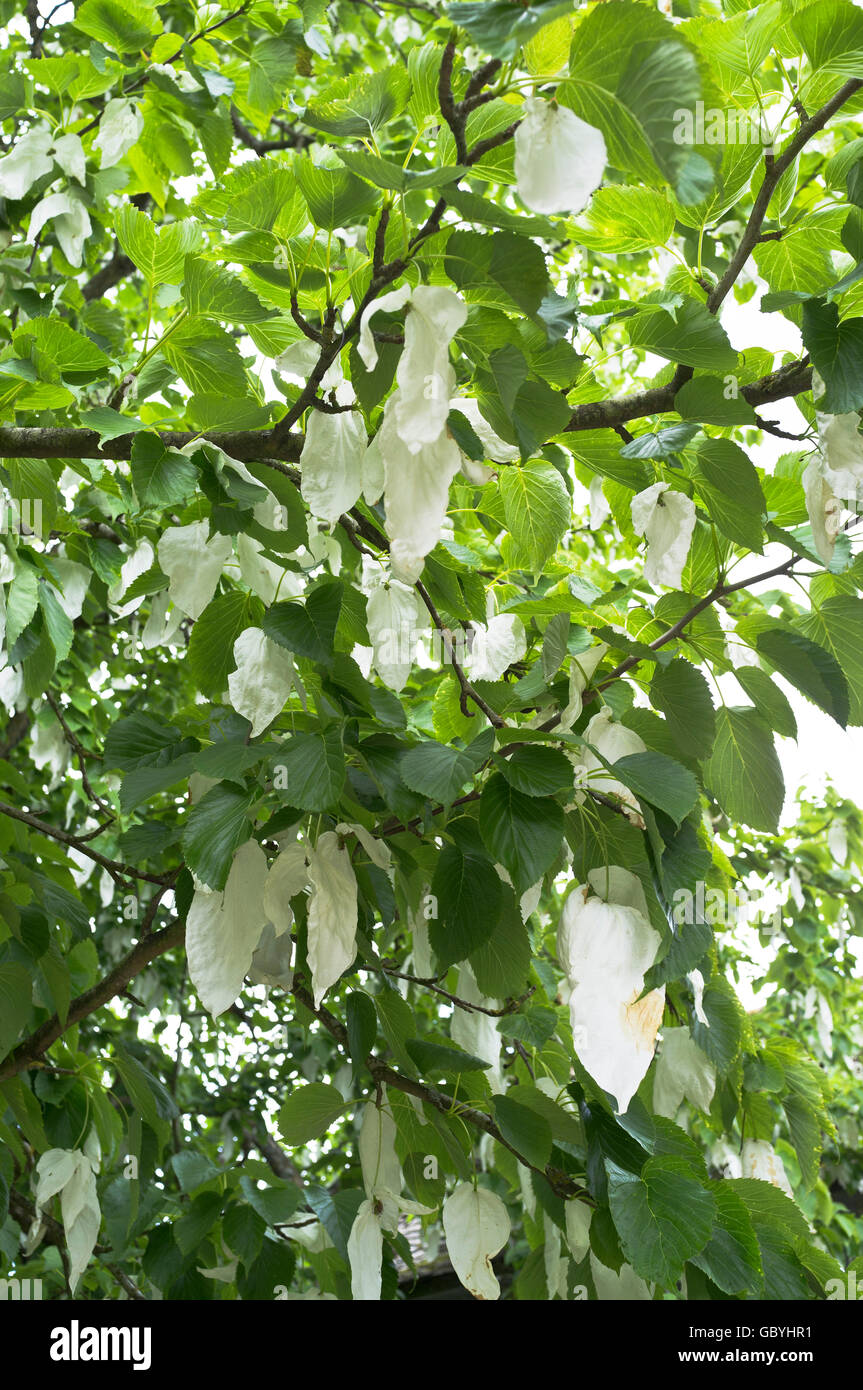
837, 841
474, 1031
760, 1160
193, 564
48, 748
75, 580
332, 941
823, 509
624, 1286
331, 463
559, 158
613, 741
582, 668
387, 304
264, 577
682, 1072
260, 686
425, 376
416, 492
136, 564
72, 1174
120, 127
365, 1252
382, 1173
495, 447
395, 619
495, 647
600, 509
71, 223
577, 1229
223, 929
272, 963
69, 154
666, 519
605, 946
476, 1226
27, 161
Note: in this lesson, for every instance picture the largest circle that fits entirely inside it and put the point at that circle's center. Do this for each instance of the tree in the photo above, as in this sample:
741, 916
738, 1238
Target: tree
382, 533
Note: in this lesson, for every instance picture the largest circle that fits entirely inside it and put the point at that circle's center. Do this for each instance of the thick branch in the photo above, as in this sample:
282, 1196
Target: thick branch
29, 1052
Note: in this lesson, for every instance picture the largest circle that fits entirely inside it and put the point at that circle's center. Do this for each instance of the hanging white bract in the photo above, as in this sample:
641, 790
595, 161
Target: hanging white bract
331, 463
682, 1073
613, 741
605, 946
416, 492
760, 1160
559, 158
120, 127
259, 688
27, 161
223, 929
193, 563
582, 668
476, 1226
666, 519
332, 928
72, 1174
70, 220
426, 379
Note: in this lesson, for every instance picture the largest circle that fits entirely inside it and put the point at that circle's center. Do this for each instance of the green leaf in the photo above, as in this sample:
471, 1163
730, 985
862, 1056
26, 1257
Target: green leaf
660, 780
504, 269
361, 104
500, 27
210, 291
362, 1026
22, 602
206, 357
161, 477
836, 350
704, 399
731, 489
126, 27
731, 1257
439, 771
768, 700
468, 893
434, 1058
211, 646
811, 668
334, 197
160, 254
522, 832
536, 770
307, 630
314, 767
309, 1111
536, 508
682, 694
58, 624
526, 1130
501, 964
743, 772
837, 627
663, 1217
693, 336
75, 357
626, 219
15, 1004
383, 173
720, 1038
218, 824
